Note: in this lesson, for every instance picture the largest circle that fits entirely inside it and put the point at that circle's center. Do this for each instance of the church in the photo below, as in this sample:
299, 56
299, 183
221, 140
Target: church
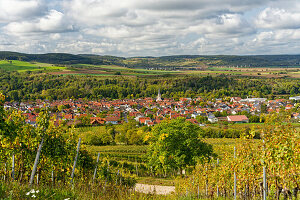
158, 98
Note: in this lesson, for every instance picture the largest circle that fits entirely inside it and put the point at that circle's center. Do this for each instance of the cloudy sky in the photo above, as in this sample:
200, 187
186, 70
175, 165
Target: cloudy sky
151, 27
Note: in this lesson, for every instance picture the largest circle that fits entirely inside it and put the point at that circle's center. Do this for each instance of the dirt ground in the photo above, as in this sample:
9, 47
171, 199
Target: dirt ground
154, 189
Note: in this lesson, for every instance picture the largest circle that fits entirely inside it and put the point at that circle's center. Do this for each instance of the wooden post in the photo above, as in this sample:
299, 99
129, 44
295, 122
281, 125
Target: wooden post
37, 157
117, 177
234, 176
4, 172
198, 191
52, 177
193, 181
120, 178
95, 171
206, 184
107, 174
136, 167
13, 167
75, 161
37, 178
217, 184
265, 186
265, 183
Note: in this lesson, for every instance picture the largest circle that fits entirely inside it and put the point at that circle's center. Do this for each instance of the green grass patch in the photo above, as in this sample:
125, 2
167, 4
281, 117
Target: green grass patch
156, 181
118, 148
82, 74
221, 68
127, 71
21, 66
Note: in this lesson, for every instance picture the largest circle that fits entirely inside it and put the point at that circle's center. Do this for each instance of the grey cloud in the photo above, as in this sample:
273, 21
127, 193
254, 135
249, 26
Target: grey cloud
53, 22
151, 27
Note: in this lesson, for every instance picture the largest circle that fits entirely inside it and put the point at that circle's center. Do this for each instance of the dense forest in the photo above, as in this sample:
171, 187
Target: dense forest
30, 86
170, 62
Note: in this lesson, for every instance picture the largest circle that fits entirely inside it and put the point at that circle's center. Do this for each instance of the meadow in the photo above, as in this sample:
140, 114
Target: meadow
113, 71
22, 66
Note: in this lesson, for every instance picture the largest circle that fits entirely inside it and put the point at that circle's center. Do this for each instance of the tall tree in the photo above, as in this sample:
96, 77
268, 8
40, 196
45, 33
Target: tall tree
176, 144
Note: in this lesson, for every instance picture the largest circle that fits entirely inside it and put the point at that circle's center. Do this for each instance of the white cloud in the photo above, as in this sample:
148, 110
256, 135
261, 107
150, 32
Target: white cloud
13, 10
55, 36
278, 36
278, 19
53, 22
150, 27
226, 25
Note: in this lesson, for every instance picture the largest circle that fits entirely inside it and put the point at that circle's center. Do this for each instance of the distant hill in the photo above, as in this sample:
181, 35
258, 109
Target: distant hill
60, 58
171, 62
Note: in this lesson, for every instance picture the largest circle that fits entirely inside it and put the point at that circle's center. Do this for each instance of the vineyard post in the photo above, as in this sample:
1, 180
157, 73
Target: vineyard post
13, 167
265, 183
107, 174
136, 167
75, 161
117, 177
4, 172
95, 172
193, 184
52, 177
36, 162
217, 184
193, 181
234, 175
264, 177
198, 191
206, 183
37, 178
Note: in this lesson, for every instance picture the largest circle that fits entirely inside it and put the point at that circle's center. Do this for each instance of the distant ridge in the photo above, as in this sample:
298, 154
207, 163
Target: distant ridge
158, 62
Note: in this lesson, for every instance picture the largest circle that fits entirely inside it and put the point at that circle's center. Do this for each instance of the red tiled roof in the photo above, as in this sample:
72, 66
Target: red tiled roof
194, 121
112, 119
143, 119
237, 118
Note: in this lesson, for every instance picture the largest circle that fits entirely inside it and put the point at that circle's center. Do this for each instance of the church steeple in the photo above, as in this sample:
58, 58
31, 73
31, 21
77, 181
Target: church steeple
158, 96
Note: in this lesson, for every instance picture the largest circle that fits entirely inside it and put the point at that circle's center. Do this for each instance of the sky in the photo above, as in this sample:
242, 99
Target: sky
151, 27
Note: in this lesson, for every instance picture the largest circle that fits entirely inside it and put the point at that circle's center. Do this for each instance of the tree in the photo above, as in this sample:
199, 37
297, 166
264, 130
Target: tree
201, 119
2, 115
176, 144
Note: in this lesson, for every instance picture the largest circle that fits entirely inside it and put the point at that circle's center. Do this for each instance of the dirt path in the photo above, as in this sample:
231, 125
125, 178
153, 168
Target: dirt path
157, 189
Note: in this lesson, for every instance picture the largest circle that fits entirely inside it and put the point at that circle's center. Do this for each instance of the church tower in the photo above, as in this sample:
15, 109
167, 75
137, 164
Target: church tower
158, 96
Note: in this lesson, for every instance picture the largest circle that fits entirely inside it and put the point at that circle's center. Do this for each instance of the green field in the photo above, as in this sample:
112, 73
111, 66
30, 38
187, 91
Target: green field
21, 66
110, 71
221, 68
220, 146
135, 154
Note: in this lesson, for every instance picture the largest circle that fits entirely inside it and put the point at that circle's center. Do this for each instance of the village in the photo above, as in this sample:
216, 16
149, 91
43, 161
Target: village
149, 111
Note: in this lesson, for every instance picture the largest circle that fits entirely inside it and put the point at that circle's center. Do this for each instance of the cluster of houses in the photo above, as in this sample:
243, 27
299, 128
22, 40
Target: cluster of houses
149, 111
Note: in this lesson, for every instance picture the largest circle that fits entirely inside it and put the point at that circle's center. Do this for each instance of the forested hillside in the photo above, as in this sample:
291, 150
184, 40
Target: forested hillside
30, 86
170, 62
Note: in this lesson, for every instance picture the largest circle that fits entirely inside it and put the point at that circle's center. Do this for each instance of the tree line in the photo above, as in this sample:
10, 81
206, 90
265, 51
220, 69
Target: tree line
31, 86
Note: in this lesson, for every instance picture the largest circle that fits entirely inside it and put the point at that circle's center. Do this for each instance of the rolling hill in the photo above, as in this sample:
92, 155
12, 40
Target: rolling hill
178, 62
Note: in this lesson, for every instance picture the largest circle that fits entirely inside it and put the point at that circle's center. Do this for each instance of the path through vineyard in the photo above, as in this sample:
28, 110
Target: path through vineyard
157, 189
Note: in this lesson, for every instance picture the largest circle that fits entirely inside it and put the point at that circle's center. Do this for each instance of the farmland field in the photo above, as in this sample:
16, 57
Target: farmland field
86, 69
112, 71
135, 155
220, 146
21, 66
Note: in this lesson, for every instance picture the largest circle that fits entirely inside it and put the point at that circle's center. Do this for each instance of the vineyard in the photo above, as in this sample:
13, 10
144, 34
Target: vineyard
52, 156
262, 169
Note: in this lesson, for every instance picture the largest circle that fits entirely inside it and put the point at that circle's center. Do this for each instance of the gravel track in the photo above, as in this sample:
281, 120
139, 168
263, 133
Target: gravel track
154, 189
